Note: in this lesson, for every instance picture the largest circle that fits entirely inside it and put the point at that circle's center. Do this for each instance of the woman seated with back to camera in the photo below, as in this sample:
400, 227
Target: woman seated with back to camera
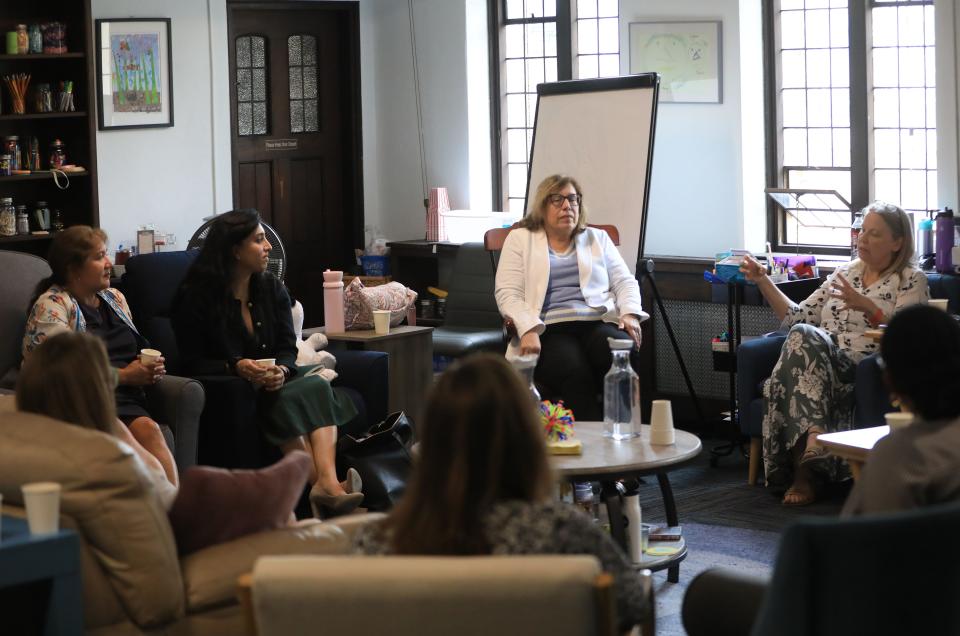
567, 289
77, 297
810, 390
68, 377
482, 484
230, 312
917, 465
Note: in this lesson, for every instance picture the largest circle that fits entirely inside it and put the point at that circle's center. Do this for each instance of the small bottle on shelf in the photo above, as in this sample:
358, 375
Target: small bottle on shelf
8, 217
23, 221
58, 155
57, 223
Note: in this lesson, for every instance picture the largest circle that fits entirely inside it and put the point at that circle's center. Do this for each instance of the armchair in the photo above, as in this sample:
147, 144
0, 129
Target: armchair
229, 434
433, 595
133, 582
175, 403
841, 576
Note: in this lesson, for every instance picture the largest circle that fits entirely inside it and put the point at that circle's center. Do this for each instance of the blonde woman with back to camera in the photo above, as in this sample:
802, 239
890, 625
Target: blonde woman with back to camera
811, 388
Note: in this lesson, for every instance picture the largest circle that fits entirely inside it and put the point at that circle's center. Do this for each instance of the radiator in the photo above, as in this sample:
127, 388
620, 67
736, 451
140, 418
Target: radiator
695, 324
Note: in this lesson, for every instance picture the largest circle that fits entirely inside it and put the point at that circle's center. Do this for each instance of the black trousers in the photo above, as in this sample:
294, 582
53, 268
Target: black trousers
574, 357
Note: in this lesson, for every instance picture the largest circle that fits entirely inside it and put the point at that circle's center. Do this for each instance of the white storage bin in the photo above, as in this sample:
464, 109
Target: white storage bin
464, 226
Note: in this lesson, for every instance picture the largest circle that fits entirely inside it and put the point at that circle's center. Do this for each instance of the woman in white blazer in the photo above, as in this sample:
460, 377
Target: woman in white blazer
567, 289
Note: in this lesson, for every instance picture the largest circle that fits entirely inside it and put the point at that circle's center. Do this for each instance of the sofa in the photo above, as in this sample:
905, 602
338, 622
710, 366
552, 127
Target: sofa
175, 402
133, 580
229, 433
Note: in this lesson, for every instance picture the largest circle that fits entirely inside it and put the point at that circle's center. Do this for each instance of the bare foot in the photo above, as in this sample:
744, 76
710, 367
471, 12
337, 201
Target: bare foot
802, 492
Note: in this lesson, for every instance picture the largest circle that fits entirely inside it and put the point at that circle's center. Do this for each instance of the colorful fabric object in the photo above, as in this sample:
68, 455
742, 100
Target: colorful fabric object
56, 307
359, 303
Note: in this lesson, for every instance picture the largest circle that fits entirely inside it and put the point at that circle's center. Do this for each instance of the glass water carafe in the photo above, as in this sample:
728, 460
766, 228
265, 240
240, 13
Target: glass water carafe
621, 394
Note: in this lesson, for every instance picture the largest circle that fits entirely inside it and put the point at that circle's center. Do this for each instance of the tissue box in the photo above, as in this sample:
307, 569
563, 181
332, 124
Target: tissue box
375, 265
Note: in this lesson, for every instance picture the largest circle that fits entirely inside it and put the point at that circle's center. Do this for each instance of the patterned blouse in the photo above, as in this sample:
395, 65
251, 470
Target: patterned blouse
891, 293
519, 527
57, 307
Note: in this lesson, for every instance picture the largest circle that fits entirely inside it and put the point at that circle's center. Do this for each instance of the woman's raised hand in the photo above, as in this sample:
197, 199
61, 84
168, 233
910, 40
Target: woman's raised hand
752, 269
842, 290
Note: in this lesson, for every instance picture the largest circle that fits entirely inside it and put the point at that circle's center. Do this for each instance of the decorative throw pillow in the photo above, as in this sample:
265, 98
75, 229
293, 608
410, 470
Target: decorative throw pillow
215, 505
359, 303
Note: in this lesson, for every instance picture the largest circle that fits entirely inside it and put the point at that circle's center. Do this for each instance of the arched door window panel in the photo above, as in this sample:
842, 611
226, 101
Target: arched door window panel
302, 65
251, 85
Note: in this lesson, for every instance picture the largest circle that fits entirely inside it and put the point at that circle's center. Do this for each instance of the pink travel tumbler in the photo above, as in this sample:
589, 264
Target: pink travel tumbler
333, 301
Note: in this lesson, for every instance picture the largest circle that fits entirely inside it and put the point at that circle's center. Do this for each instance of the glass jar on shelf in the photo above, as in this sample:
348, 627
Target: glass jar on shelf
58, 156
23, 221
23, 40
57, 223
41, 216
36, 39
4, 165
8, 217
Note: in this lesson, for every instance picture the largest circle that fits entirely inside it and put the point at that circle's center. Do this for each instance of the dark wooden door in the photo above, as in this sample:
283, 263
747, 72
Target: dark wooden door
295, 117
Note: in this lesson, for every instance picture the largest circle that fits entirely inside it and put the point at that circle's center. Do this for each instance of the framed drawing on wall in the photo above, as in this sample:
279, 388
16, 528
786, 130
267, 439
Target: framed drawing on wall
134, 73
687, 55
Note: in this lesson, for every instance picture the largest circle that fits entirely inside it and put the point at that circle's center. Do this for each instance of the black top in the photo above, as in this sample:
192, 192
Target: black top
123, 345
212, 339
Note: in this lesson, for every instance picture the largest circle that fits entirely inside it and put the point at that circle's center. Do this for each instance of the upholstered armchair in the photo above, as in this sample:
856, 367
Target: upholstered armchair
133, 580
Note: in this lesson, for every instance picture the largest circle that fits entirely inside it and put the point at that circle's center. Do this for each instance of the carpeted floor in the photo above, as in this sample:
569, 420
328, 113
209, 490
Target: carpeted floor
726, 523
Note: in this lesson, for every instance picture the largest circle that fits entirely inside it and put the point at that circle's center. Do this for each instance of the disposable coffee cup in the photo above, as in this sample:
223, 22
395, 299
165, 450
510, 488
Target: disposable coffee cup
42, 500
266, 363
939, 303
381, 321
661, 423
898, 419
149, 356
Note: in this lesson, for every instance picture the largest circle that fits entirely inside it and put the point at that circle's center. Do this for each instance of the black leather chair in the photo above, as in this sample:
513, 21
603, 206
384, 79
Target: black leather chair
472, 322
879, 574
229, 434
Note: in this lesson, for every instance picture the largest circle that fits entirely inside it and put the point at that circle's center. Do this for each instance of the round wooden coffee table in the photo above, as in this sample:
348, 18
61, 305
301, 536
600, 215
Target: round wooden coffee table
606, 460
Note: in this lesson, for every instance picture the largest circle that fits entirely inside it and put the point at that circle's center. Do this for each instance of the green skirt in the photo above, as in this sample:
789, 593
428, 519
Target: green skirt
301, 406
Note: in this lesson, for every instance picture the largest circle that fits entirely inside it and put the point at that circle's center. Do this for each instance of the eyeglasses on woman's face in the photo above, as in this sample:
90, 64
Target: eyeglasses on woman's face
558, 199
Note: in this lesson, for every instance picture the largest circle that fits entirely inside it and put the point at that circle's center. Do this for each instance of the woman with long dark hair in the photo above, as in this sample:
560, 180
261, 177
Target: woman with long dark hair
230, 312
77, 297
482, 483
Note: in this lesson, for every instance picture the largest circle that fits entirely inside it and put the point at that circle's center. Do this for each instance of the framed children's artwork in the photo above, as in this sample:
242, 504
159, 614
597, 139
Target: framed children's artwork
687, 55
134, 73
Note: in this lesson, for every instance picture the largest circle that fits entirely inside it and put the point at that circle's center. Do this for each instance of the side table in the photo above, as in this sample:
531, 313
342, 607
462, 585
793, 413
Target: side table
39, 577
410, 363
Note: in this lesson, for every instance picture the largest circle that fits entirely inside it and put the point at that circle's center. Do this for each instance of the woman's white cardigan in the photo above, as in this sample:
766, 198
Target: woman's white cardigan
524, 272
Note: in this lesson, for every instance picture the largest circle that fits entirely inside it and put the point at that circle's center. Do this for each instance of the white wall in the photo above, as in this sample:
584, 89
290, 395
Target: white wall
172, 177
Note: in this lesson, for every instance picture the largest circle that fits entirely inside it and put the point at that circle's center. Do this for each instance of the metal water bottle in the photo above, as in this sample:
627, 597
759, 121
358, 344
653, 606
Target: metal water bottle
333, 301
944, 241
621, 394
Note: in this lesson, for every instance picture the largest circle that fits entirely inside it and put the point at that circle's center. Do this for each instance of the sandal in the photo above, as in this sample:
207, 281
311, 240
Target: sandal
812, 454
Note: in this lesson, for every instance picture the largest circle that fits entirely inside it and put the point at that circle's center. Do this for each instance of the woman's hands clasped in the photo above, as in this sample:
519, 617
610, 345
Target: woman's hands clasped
138, 374
270, 378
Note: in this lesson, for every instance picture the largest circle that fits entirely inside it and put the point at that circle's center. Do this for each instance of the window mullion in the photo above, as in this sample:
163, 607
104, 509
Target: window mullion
860, 106
564, 41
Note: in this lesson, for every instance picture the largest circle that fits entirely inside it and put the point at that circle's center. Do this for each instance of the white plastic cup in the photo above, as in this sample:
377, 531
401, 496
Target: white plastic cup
661, 423
149, 356
42, 500
266, 363
898, 420
939, 303
381, 321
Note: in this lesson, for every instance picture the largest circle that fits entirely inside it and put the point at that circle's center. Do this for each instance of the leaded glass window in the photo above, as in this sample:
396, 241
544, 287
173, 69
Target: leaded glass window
251, 85
302, 65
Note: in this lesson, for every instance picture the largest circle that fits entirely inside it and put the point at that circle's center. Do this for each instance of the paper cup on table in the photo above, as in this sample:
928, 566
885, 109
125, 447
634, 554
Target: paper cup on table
661, 423
42, 500
939, 303
266, 363
149, 356
898, 419
381, 321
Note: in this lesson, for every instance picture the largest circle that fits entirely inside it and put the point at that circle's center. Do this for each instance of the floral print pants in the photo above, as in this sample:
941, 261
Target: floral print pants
811, 385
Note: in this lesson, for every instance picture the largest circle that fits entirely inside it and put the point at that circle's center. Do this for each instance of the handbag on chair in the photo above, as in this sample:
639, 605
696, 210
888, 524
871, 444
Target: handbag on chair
382, 457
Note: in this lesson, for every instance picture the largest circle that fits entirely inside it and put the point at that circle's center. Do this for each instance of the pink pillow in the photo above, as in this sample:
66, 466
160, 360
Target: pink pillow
215, 505
359, 303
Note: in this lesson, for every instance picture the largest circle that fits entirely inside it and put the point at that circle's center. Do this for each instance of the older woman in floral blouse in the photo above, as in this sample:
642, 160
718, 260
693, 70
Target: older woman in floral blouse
811, 388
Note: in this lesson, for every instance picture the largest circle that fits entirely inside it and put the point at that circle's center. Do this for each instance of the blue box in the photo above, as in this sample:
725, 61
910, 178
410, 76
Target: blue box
375, 265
